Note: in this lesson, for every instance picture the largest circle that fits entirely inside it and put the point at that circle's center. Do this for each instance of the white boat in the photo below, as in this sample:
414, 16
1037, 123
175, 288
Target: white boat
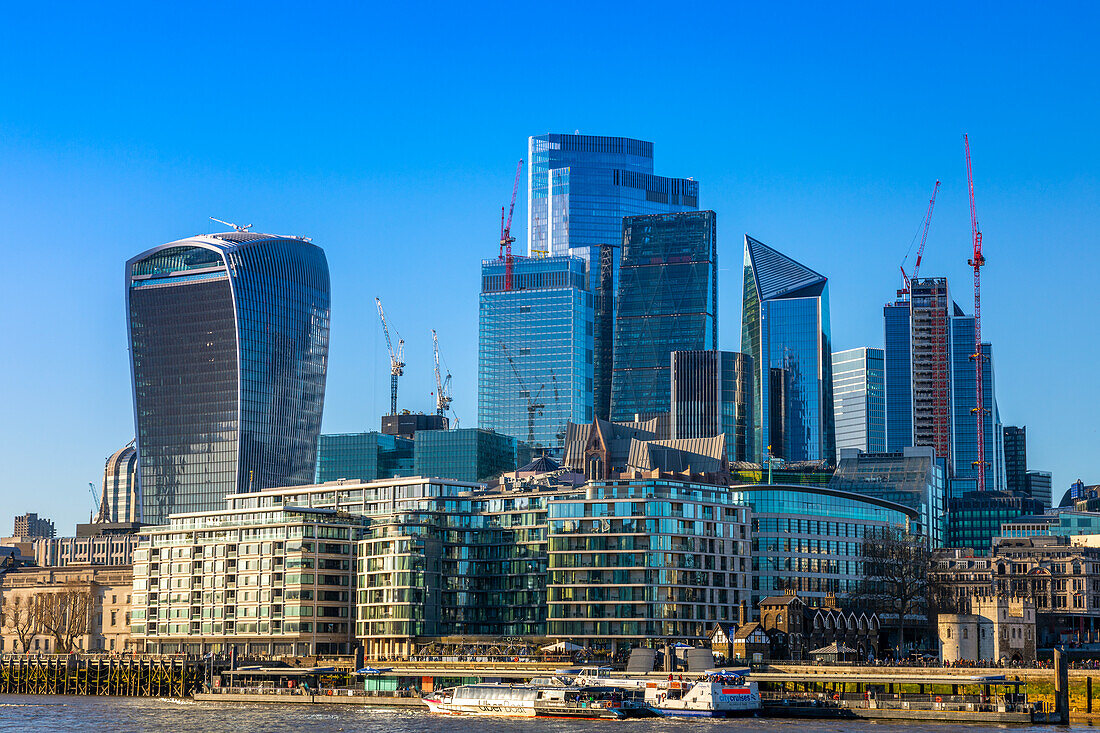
529, 701
713, 696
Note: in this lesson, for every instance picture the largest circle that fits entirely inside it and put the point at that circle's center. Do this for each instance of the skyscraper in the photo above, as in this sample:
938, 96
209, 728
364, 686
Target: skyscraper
785, 329
229, 349
1016, 458
898, 365
668, 301
579, 188
120, 500
859, 399
712, 393
534, 349
964, 403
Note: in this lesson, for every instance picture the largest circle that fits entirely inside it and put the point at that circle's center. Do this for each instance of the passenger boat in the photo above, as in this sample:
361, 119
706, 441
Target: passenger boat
716, 695
530, 701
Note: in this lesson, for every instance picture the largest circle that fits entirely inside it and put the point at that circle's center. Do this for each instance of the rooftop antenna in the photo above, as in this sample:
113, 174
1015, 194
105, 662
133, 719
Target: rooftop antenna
245, 228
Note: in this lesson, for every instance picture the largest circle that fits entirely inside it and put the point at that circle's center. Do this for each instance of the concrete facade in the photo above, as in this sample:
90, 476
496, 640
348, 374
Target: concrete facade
995, 630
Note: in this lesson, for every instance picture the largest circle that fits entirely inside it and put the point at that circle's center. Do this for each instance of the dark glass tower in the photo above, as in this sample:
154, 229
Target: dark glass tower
785, 329
712, 394
668, 301
229, 350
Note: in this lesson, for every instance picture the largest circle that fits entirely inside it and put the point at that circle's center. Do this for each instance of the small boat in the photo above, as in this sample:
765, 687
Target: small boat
716, 695
531, 701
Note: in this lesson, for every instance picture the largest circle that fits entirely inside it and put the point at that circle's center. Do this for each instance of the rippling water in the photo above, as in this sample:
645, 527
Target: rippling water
125, 714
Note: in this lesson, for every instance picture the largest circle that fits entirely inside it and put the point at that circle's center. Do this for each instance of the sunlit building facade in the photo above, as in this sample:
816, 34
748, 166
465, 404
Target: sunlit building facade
534, 349
859, 399
229, 350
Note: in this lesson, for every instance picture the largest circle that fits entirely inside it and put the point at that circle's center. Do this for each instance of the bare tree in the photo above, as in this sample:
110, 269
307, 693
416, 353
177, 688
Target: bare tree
66, 614
897, 568
20, 614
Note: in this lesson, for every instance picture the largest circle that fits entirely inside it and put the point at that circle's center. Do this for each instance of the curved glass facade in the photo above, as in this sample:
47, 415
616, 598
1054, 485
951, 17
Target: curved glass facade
810, 540
229, 350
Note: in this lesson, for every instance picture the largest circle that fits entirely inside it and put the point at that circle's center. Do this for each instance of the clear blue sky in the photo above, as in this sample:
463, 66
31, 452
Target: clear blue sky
390, 135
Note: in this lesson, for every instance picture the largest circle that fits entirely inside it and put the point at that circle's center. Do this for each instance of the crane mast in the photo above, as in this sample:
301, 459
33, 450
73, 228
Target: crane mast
397, 357
506, 237
906, 281
442, 386
977, 261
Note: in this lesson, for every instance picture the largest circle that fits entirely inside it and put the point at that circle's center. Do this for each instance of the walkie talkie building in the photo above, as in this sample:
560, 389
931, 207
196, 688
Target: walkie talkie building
229, 351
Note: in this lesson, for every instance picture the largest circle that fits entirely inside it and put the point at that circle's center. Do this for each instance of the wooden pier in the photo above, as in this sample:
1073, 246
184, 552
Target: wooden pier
95, 675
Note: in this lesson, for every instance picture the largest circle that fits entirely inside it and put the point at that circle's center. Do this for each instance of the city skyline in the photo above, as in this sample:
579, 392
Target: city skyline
844, 195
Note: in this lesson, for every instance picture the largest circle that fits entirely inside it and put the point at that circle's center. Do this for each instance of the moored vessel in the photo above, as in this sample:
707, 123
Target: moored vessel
530, 701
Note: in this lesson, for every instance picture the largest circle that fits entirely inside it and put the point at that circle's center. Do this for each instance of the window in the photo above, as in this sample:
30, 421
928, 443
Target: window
966, 632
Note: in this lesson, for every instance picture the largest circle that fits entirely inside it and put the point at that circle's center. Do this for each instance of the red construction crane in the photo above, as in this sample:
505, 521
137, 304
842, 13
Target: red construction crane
977, 261
920, 250
506, 237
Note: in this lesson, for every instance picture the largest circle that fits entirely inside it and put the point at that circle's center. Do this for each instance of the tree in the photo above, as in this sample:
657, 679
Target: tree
897, 568
66, 614
20, 614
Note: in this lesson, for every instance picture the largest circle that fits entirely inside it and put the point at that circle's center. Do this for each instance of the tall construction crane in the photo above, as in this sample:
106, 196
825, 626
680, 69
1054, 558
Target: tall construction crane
533, 405
977, 261
442, 386
920, 250
506, 237
397, 358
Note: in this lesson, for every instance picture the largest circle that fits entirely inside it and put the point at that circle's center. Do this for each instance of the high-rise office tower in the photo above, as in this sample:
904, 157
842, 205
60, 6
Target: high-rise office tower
859, 399
534, 349
120, 499
898, 365
1038, 485
668, 301
579, 188
229, 350
964, 401
1015, 441
712, 393
785, 329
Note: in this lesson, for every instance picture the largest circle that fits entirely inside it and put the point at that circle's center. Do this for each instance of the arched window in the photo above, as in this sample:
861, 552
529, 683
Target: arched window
966, 633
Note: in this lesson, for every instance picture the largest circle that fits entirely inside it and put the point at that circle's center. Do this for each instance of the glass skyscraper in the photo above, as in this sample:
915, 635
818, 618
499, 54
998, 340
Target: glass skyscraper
965, 402
898, 365
229, 349
1015, 447
859, 399
785, 329
668, 301
579, 188
535, 349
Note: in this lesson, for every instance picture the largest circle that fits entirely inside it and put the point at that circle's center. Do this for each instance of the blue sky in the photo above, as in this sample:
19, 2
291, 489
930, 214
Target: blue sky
391, 136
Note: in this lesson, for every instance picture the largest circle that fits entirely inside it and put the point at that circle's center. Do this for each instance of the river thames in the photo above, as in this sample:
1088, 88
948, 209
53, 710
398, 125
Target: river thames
126, 714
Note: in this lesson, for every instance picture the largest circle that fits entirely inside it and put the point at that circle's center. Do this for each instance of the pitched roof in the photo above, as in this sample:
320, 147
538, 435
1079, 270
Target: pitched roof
777, 275
746, 630
779, 601
834, 648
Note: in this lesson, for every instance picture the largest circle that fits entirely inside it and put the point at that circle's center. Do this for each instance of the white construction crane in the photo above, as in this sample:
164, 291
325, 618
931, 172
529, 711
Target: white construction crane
442, 385
397, 358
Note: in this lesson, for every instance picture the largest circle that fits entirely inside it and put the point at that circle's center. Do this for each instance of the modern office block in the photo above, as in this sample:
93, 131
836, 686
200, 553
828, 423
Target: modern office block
668, 301
229, 350
363, 456
975, 518
407, 425
897, 367
809, 539
785, 329
534, 349
859, 399
712, 393
120, 499
1015, 449
467, 454
913, 477
1038, 485
579, 188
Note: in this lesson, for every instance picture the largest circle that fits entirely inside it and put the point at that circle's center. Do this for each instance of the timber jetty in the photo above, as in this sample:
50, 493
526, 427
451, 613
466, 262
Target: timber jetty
100, 675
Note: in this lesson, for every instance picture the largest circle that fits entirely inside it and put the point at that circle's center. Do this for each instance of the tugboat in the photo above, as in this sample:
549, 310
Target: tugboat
530, 701
716, 695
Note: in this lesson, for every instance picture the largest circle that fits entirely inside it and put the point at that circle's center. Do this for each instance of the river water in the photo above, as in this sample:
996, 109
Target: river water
44, 714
